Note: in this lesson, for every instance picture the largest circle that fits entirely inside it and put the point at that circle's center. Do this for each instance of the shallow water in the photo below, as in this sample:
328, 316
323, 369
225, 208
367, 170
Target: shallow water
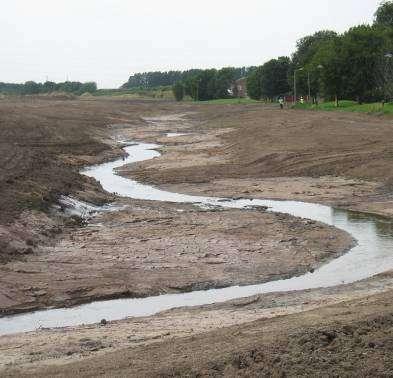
173, 135
373, 253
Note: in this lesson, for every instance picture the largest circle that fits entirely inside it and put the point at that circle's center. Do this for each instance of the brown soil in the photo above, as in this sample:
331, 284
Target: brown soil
43, 143
326, 332
248, 151
264, 142
166, 250
258, 152
150, 248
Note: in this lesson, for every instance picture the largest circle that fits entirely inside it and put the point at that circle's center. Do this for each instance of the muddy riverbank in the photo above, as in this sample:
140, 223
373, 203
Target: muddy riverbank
167, 249
149, 248
371, 255
330, 329
206, 163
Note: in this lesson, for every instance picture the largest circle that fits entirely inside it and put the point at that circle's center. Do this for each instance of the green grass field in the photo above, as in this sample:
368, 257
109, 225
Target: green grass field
350, 106
166, 93
230, 101
154, 93
344, 105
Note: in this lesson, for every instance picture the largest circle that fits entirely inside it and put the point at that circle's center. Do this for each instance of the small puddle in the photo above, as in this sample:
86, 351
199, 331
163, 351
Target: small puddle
373, 253
173, 135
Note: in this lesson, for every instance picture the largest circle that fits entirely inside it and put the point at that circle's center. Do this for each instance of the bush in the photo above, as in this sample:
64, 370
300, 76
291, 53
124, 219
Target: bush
178, 91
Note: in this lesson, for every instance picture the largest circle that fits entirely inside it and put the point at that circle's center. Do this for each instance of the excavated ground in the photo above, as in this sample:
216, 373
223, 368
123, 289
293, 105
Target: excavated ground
149, 248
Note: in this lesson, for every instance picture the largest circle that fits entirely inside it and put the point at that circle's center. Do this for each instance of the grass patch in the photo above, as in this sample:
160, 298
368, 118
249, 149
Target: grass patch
350, 106
230, 101
137, 93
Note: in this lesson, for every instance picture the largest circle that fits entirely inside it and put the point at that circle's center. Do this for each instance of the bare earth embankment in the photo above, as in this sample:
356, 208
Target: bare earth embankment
150, 248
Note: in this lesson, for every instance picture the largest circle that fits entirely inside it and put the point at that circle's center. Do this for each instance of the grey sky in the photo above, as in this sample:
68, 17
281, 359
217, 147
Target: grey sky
107, 40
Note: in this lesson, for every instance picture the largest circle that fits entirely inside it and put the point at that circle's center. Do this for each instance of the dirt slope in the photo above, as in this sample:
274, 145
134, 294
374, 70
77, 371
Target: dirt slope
349, 339
265, 142
248, 150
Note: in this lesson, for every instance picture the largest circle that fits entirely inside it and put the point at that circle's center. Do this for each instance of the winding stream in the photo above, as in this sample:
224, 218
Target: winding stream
373, 253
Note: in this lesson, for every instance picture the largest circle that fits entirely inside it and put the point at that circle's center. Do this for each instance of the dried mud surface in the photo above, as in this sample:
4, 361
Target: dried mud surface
333, 332
148, 248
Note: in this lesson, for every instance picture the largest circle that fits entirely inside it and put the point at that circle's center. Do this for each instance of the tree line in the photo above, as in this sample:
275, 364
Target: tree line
154, 79
355, 65
31, 87
210, 84
202, 83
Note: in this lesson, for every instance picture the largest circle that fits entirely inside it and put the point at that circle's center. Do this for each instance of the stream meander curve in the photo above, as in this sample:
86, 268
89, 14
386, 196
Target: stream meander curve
372, 255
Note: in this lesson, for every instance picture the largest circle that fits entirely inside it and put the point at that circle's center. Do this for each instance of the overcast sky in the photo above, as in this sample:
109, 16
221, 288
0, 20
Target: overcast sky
107, 40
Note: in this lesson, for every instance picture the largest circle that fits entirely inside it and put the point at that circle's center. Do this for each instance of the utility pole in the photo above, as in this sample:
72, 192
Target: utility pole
309, 85
320, 67
294, 88
388, 76
294, 84
197, 90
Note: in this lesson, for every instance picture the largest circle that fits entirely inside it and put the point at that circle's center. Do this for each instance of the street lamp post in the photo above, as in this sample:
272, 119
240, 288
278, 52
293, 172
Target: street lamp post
320, 67
197, 90
309, 85
387, 91
308, 80
294, 84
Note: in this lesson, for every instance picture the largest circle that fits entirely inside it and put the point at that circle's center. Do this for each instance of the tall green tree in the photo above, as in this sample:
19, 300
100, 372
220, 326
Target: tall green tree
207, 85
254, 86
384, 67
350, 61
224, 79
48, 87
146, 80
363, 47
31, 87
89, 87
384, 14
274, 77
306, 48
178, 91
330, 60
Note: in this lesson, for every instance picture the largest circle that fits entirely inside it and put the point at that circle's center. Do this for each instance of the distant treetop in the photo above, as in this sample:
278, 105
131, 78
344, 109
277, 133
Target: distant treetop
154, 79
31, 87
384, 14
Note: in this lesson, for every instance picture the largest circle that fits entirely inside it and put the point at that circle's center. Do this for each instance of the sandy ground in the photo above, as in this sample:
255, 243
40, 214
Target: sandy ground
150, 346
213, 151
150, 249
341, 160
166, 247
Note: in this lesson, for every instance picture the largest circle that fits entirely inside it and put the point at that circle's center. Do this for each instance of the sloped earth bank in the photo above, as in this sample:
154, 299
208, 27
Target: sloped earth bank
344, 331
150, 248
230, 338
